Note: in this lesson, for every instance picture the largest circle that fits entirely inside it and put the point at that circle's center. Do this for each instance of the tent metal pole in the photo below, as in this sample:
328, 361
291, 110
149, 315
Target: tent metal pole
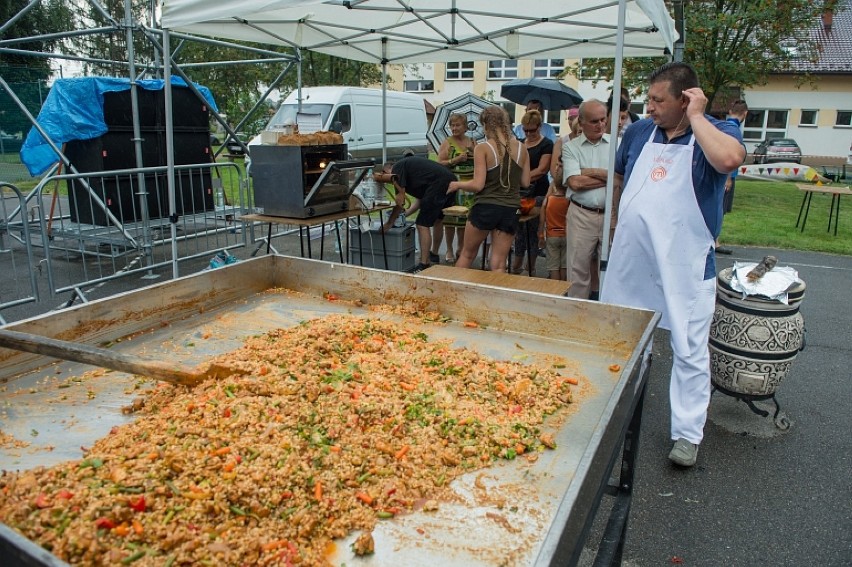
154, 24
680, 27
142, 194
384, 100
299, 85
170, 146
237, 62
222, 43
613, 138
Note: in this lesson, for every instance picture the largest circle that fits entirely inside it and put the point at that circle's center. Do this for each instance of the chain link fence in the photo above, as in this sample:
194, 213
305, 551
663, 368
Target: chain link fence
14, 125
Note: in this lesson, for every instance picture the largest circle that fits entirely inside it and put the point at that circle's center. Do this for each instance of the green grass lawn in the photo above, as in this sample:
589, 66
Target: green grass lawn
765, 212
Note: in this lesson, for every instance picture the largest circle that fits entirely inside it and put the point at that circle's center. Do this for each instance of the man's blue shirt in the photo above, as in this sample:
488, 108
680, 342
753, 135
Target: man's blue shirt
709, 184
736, 122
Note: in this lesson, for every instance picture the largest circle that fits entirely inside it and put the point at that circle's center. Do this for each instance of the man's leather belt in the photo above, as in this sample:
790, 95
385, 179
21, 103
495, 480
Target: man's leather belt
593, 209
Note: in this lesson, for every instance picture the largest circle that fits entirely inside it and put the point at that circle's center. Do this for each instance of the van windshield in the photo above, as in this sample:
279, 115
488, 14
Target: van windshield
286, 114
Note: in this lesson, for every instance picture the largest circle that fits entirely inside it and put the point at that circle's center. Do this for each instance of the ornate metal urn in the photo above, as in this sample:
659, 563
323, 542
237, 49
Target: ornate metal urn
753, 340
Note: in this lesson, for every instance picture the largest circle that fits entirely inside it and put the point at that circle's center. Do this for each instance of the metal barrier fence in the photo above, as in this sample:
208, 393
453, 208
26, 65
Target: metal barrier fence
75, 233
18, 284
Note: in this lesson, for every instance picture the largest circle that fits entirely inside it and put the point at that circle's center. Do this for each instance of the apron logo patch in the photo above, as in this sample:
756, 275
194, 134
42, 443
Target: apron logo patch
658, 173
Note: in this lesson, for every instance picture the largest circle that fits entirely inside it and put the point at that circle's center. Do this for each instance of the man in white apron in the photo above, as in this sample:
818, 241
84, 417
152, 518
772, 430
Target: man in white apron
674, 165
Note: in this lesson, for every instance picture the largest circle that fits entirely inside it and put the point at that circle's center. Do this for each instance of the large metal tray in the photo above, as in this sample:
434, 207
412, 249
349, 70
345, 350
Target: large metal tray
527, 514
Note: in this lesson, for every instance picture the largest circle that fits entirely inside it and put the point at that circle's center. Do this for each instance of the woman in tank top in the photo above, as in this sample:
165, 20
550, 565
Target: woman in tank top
456, 152
501, 167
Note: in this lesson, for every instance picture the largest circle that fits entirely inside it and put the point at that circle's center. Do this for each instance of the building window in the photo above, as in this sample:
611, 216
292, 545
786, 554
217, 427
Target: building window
808, 118
457, 70
548, 67
553, 118
503, 69
419, 86
762, 124
509, 107
844, 118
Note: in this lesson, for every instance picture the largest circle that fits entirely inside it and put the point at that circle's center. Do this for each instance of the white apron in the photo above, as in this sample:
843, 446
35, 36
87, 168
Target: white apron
657, 262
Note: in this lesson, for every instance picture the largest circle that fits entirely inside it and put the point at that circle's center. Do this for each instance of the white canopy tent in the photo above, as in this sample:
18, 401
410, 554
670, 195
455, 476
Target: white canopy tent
429, 31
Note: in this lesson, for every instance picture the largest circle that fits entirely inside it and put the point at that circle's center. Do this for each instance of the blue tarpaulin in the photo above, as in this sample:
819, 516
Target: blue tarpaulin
74, 110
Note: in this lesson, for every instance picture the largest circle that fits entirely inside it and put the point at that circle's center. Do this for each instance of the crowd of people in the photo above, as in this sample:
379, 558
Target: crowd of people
673, 180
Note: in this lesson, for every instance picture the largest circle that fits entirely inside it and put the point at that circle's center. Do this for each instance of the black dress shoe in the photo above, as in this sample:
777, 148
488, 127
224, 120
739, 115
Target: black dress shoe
725, 251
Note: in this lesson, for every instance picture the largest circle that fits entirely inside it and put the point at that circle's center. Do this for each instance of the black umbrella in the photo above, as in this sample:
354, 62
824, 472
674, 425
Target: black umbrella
471, 106
552, 93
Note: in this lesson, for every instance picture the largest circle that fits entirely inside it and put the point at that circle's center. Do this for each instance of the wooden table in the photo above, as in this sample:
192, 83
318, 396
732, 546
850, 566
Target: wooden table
523, 224
834, 208
498, 279
306, 224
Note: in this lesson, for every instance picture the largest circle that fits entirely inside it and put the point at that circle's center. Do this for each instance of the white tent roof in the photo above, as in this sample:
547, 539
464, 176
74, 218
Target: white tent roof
410, 31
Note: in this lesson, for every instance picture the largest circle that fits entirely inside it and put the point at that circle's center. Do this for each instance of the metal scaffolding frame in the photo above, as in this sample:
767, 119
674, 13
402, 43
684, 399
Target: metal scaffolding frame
163, 67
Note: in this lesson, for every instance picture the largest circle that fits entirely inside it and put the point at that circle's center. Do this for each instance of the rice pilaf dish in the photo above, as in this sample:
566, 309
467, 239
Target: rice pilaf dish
335, 424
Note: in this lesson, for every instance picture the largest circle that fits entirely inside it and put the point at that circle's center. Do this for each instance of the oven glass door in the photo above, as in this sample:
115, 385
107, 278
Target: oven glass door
338, 181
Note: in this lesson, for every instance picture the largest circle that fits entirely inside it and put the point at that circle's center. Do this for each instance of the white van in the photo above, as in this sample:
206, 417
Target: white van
356, 113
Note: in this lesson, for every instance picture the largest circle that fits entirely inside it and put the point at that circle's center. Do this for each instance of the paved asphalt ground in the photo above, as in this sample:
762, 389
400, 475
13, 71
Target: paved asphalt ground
758, 495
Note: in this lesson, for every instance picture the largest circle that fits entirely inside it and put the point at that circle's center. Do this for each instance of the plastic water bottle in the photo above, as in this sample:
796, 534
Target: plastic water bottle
400, 221
368, 190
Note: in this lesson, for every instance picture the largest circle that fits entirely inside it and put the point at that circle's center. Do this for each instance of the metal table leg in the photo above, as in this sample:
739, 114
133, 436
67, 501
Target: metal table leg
529, 249
611, 548
339, 242
806, 199
268, 238
834, 211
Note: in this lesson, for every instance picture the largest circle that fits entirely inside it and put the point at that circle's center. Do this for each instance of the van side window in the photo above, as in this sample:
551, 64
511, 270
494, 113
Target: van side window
342, 120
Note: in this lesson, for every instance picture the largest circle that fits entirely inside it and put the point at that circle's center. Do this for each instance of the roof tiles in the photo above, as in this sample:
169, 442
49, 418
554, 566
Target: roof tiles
835, 45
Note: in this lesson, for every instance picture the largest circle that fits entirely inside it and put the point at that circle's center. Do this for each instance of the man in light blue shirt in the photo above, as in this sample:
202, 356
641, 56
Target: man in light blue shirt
585, 160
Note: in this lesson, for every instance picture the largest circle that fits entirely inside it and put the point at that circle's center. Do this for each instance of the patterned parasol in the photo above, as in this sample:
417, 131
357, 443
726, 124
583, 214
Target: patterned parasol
469, 105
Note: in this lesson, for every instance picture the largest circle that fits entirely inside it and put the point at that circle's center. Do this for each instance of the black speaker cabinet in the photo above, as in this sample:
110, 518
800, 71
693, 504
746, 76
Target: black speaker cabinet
85, 155
120, 196
190, 147
118, 110
116, 150
193, 192
188, 111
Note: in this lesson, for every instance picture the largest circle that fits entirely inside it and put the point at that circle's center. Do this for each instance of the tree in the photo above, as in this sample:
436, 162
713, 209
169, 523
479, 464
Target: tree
731, 43
237, 88
26, 74
320, 69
